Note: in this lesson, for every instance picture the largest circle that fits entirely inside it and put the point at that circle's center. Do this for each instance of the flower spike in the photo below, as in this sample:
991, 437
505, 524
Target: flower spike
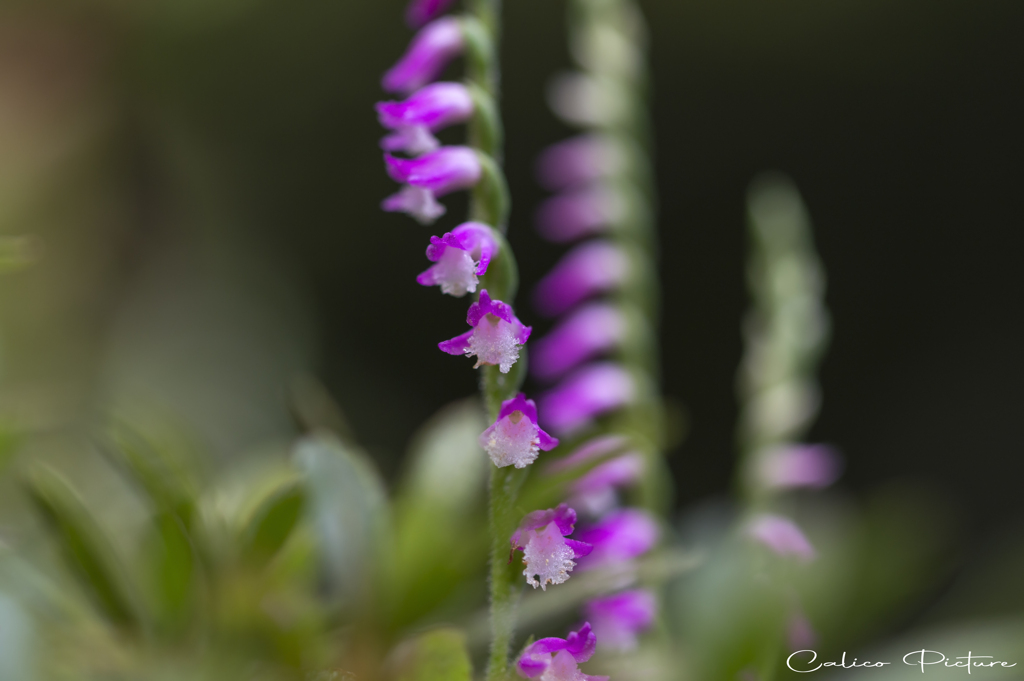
548, 555
461, 256
431, 49
495, 338
515, 439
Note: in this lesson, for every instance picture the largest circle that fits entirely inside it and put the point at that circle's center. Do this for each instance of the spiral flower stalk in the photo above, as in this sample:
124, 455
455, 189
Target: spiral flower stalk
601, 357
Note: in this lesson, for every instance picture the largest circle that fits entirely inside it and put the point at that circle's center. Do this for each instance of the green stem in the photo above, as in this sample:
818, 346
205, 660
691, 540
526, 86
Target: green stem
504, 489
490, 204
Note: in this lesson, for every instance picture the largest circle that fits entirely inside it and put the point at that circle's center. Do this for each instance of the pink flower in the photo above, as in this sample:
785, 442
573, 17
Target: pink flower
619, 537
791, 466
585, 394
556, 659
579, 213
592, 449
781, 535
587, 270
593, 329
431, 49
495, 338
548, 555
440, 172
461, 256
426, 111
515, 439
594, 492
580, 161
619, 618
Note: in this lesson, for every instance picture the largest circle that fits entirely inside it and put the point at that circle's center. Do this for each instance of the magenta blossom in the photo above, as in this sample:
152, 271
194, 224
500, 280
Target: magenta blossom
556, 659
593, 329
515, 439
548, 555
420, 12
592, 449
461, 256
799, 633
589, 269
619, 537
619, 618
585, 394
781, 535
579, 213
579, 161
440, 172
495, 338
792, 466
594, 492
431, 49
428, 110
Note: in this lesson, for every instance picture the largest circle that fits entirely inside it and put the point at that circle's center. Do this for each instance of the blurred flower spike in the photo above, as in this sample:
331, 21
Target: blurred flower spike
440, 172
548, 555
619, 618
556, 659
515, 439
781, 535
495, 338
426, 111
431, 49
461, 256
595, 491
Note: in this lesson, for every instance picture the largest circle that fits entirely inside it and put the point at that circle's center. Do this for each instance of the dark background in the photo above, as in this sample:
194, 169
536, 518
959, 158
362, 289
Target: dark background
247, 126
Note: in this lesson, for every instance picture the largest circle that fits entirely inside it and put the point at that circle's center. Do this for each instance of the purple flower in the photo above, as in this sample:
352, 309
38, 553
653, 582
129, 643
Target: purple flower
590, 331
781, 535
592, 449
619, 618
555, 659
594, 492
590, 268
515, 438
440, 172
579, 161
428, 110
799, 633
496, 335
579, 213
548, 555
430, 51
420, 12
619, 537
587, 393
791, 466
461, 256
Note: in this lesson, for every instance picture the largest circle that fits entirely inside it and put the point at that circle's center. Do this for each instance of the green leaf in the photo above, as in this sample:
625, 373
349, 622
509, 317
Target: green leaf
157, 469
88, 552
438, 655
272, 523
172, 565
348, 507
